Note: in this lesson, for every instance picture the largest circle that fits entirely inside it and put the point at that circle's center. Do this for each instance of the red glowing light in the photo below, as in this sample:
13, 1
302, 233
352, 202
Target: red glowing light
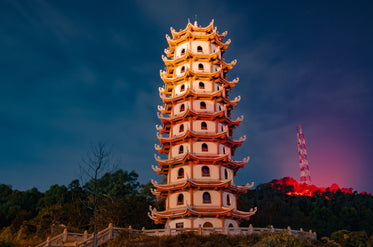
294, 188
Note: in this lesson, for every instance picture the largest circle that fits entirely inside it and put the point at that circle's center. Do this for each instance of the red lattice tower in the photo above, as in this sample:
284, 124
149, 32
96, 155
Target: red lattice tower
305, 176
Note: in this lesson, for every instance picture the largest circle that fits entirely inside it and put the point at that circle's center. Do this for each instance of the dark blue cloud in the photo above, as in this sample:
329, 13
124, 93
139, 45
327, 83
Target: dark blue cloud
74, 73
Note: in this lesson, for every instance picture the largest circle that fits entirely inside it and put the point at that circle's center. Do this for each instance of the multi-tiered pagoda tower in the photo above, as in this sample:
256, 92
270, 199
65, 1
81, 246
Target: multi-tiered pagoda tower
196, 134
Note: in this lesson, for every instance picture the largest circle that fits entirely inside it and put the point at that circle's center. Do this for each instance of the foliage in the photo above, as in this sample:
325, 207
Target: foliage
29, 217
324, 213
213, 240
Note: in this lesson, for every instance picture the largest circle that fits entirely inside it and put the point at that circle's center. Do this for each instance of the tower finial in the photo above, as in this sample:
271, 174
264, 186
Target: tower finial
195, 20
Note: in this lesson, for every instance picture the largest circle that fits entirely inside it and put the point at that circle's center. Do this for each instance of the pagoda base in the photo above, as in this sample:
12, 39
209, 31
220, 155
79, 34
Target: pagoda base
194, 222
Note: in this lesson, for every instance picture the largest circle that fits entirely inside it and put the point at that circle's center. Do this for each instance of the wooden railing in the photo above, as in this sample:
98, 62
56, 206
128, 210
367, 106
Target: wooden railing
225, 230
87, 240
65, 237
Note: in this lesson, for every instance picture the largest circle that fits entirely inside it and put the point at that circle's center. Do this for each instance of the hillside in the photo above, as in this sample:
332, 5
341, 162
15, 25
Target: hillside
29, 217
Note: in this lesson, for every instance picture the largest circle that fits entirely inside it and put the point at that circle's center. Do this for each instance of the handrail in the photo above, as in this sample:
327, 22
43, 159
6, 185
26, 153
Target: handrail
87, 240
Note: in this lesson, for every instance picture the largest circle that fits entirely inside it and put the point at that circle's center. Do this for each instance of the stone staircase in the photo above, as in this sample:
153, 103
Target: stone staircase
82, 239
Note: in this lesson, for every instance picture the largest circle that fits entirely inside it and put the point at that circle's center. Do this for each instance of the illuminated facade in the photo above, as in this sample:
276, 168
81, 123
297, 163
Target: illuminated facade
196, 134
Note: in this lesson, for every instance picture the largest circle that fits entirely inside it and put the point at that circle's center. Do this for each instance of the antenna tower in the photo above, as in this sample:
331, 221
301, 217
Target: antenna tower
305, 176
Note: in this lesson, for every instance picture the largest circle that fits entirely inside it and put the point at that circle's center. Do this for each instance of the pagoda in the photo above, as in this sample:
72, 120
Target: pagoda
197, 134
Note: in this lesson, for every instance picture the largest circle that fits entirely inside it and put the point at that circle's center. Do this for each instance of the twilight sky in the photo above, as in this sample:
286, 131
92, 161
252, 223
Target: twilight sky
73, 73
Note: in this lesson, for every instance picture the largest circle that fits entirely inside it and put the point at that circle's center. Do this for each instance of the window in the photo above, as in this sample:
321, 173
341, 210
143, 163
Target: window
182, 108
182, 88
182, 69
207, 224
223, 150
201, 85
204, 147
180, 225
180, 199
203, 126
181, 128
202, 105
230, 225
225, 173
180, 173
182, 52
200, 66
228, 200
199, 48
181, 149
206, 197
205, 171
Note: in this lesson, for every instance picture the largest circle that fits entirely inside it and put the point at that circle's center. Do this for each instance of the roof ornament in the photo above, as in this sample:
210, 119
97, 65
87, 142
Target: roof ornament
249, 185
245, 160
162, 73
157, 157
154, 191
224, 33
236, 80
159, 135
155, 183
242, 138
236, 99
161, 108
239, 119
157, 147
156, 168
159, 127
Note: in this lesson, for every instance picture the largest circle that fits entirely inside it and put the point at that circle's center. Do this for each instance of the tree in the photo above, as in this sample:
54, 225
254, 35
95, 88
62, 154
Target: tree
97, 161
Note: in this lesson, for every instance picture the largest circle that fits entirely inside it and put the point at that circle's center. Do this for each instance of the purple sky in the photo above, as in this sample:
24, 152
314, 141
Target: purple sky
74, 73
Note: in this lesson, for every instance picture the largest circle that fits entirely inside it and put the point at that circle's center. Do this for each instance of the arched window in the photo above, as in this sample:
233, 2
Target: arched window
180, 199
181, 149
201, 85
228, 200
206, 197
230, 225
181, 128
202, 105
182, 52
182, 108
182, 88
225, 173
200, 66
205, 171
180, 173
182, 69
199, 48
207, 224
204, 147
203, 126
